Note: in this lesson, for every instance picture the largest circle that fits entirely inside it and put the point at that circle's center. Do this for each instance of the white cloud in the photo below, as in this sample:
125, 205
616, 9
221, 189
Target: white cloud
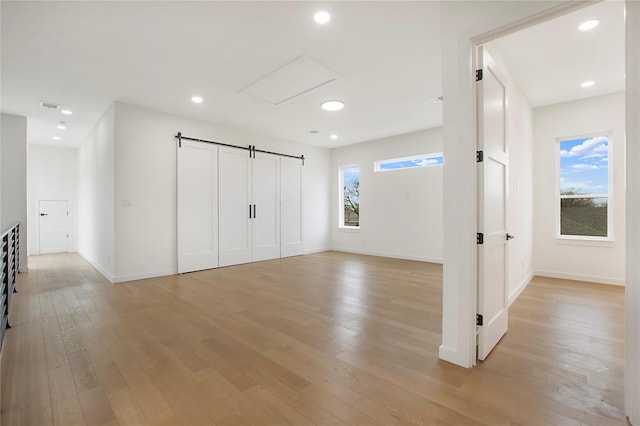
605, 159
598, 151
591, 148
426, 161
582, 167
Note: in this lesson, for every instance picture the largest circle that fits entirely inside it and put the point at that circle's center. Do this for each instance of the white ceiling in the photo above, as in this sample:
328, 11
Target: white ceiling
552, 59
157, 54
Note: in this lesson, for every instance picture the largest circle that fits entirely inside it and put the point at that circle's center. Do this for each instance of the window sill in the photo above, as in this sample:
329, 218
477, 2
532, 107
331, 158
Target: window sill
348, 229
585, 241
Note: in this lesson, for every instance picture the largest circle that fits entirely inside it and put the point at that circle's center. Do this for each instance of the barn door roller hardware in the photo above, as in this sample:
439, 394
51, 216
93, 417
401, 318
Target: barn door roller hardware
251, 148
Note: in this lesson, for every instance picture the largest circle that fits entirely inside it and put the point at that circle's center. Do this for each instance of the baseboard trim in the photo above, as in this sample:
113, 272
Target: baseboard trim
580, 277
144, 276
516, 293
96, 265
316, 250
390, 255
454, 357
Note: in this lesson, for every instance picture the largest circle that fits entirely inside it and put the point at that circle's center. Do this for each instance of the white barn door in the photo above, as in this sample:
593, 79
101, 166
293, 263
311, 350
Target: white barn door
236, 206
492, 207
230, 206
291, 207
266, 207
197, 198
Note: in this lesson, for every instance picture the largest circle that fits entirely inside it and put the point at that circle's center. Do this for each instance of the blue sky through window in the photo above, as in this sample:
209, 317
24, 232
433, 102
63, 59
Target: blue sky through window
406, 163
351, 175
584, 165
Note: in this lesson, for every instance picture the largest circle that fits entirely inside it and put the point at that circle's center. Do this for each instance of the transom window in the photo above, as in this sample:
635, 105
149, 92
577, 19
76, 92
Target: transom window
424, 160
584, 188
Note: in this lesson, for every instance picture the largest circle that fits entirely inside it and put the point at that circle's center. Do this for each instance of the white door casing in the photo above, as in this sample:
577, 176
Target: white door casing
492, 292
197, 199
54, 226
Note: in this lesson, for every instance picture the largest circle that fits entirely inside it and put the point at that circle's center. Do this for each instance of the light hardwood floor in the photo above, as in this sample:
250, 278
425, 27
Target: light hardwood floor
327, 339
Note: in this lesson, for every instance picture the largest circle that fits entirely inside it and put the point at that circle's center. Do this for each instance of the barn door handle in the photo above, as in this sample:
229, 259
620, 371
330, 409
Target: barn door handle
44, 214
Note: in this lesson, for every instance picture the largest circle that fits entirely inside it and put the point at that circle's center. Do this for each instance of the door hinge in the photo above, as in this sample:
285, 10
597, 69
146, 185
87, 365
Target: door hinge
67, 235
67, 213
479, 74
479, 319
479, 238
479, 156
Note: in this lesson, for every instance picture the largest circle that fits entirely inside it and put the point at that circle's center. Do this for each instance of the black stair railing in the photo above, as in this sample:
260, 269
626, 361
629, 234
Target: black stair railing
10, 264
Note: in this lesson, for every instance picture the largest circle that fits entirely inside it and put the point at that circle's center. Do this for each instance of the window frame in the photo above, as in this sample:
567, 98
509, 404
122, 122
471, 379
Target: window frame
341, 170
377, 164
585, 239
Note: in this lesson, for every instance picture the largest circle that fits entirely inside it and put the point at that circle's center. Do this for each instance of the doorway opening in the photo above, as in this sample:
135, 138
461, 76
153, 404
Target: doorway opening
548, 65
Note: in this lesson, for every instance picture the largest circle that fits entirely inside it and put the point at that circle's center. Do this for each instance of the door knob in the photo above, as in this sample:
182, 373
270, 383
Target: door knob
510, 237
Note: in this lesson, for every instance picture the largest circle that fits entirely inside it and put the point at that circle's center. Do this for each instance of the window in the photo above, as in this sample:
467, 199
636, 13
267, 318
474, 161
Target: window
425, 160
350, 197
584, 188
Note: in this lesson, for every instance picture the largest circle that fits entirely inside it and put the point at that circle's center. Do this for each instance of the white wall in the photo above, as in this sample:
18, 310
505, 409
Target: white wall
587, 261
96, 226
145, 187
53, 175
520, 206
318, 194
13, 168
401, 210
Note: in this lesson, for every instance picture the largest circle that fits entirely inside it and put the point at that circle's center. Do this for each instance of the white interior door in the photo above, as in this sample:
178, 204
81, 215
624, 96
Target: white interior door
492, 206
197, 197
291, 207
266, 207
54, 226
234, 189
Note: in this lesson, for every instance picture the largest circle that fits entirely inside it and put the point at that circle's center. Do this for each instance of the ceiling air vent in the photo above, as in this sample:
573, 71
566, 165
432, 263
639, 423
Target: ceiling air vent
49, 105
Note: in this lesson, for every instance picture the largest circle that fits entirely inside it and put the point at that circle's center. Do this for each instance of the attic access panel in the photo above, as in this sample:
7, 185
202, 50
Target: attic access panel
294, 79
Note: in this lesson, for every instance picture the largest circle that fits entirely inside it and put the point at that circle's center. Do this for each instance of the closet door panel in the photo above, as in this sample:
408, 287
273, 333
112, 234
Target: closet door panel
266, 199
234, 191
291, 207
197, 206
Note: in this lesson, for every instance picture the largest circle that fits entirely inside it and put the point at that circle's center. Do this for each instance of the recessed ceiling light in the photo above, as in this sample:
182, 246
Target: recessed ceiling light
588, 25
334, 137
62, 127
56, 138
322, 17
332, 105
588, 83
66, 112
196, 100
